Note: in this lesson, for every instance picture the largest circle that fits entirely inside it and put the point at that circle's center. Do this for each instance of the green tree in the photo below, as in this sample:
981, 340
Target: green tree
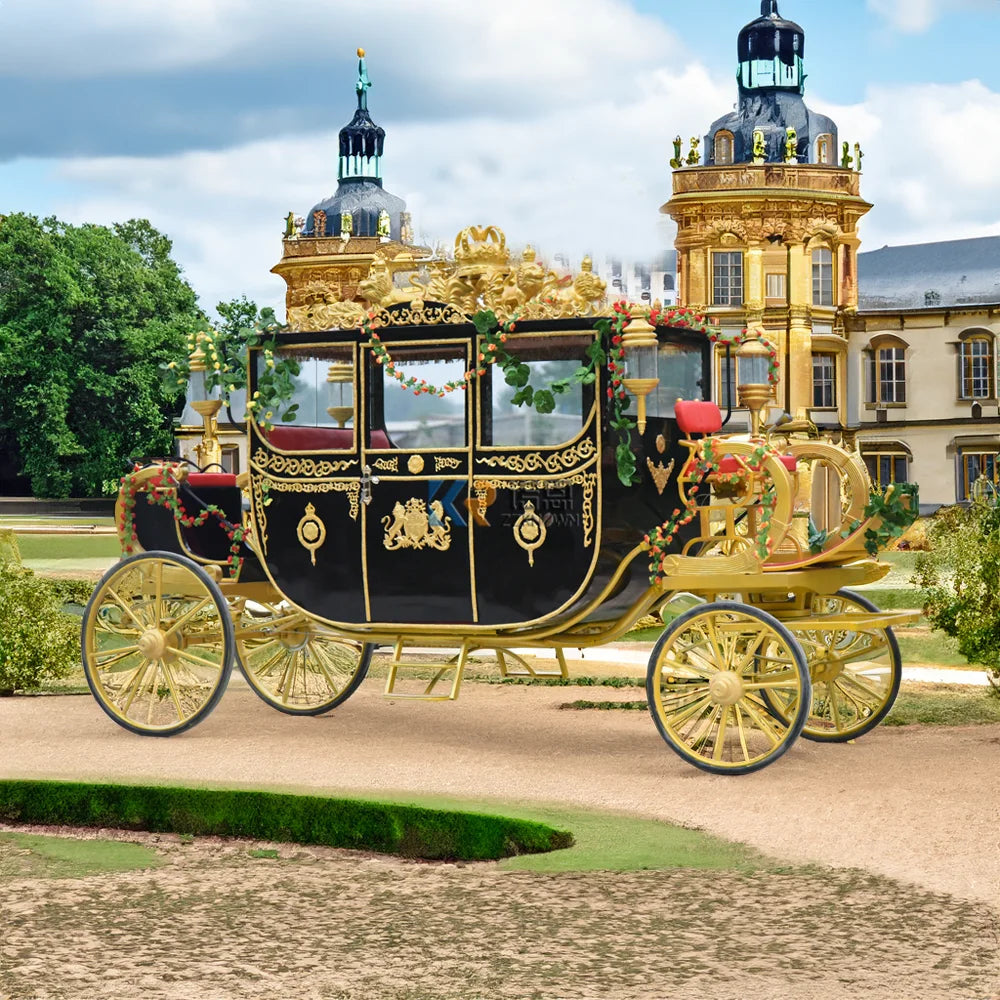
87, 315
960, 577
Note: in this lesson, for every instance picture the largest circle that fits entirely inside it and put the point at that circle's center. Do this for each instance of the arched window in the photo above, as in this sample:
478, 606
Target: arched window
723, 148
885, 371
887, 462
976, 367
824, 149
822, 264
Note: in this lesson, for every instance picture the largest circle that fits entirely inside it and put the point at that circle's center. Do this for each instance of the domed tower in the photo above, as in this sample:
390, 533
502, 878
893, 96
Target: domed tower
767, 219
328, 253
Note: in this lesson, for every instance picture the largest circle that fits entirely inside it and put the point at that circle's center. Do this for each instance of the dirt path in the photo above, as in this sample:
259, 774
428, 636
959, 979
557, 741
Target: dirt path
918, 806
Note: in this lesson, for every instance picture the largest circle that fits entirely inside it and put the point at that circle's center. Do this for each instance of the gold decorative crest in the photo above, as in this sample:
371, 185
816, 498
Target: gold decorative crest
311, 532
530, 531
412, 527
660, 474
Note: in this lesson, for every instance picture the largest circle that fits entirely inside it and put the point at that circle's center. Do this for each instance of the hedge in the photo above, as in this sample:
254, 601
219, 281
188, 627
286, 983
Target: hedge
387, 828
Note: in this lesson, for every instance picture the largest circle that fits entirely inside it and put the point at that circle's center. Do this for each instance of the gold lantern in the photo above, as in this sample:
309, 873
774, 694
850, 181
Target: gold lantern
752, 386
206, 403
340, 386
640, 345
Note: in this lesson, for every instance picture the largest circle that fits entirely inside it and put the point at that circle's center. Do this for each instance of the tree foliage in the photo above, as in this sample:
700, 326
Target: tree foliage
87, 315
960, 576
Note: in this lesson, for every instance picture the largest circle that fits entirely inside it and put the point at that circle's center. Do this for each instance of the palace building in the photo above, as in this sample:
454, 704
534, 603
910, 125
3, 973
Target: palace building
767, 214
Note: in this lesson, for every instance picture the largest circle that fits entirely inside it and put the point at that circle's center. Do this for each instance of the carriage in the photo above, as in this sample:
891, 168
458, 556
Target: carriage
479, 483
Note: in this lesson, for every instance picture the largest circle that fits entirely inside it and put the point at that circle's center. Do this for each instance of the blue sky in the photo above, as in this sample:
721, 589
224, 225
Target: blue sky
551, 118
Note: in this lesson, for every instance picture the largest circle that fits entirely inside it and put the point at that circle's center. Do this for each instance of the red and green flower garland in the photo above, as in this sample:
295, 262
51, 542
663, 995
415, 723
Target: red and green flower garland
706, 463
494, 335
162, 489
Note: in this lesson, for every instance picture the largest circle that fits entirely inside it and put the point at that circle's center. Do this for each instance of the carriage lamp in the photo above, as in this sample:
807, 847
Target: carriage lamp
207, 404
340, 387
752, 387
640, 344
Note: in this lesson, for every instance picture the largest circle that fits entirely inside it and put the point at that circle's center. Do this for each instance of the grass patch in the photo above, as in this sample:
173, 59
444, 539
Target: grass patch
943, 706
29, 855
384, 827
263, 852
925, 645
37, 548
893, 598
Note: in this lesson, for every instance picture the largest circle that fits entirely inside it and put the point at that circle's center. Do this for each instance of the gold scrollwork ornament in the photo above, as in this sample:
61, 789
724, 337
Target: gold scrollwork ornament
530, 531
311, 532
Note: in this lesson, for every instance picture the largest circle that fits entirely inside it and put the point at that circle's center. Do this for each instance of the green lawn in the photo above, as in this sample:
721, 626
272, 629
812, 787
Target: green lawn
29, 855
45, 548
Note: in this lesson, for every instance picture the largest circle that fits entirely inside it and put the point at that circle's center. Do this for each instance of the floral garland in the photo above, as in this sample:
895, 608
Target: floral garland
706, 463
494, 335
164, 492
718, 336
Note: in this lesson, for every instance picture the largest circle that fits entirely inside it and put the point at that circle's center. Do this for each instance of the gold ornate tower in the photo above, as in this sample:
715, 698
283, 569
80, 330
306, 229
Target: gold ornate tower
767, 225
328, 253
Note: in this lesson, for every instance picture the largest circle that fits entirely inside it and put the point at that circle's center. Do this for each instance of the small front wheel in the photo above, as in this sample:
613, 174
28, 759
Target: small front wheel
708, 684
158, 643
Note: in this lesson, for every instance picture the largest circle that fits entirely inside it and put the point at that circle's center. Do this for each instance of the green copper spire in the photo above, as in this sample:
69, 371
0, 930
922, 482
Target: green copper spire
363, 83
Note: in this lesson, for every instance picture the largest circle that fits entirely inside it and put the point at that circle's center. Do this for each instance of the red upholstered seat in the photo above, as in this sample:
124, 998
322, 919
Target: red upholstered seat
196, 479
291, 438
697, 416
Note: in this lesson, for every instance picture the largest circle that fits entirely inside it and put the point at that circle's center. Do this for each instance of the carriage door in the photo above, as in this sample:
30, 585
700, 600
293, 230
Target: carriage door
415, 529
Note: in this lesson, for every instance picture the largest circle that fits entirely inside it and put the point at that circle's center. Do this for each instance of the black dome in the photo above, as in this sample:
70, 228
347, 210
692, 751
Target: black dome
364, 198
771, 35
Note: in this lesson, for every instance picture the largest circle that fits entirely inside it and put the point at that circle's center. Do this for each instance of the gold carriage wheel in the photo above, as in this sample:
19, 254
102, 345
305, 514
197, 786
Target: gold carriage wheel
706, 681
157, 643
295, 664
855, 671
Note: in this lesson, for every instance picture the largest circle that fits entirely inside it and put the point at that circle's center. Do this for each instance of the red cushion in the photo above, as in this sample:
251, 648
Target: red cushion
380, 440
312, 438
211, 479
696, 416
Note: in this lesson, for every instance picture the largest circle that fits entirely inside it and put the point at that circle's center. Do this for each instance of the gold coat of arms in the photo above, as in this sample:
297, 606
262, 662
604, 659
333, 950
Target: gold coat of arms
413, 527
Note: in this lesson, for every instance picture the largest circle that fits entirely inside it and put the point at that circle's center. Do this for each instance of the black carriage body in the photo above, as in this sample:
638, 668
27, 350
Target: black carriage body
469, 511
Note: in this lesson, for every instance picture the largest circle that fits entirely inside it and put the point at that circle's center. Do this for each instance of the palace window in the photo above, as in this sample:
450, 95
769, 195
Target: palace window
974, 466
886, 467
885, 375
727, 278
824, 149
726, 384
723, 148
976, 368
824, 381
822, 262
774, 287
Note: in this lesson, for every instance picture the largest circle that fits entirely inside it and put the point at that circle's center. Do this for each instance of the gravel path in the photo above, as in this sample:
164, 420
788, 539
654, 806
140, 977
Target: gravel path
917, 805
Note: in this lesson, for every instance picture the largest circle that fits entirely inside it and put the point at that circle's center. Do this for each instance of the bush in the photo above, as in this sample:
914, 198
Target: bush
38, 642
960, 577
9, 550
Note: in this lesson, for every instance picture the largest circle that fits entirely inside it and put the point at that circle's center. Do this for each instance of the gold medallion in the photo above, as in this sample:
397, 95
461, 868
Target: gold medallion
415, 464
529, 531
311, 532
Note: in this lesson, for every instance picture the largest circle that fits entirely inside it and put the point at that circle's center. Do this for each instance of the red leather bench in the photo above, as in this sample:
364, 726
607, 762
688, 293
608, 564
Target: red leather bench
321, 438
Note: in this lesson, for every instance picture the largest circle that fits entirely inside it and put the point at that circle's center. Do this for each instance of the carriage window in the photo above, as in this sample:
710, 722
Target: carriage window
679, 367
413, 419
323, 390
549, 359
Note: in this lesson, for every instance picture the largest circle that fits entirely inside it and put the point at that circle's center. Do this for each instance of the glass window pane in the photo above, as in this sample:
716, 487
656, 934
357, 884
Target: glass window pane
415, 421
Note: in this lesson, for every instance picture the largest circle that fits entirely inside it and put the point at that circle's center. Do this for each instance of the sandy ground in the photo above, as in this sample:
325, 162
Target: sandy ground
916, 810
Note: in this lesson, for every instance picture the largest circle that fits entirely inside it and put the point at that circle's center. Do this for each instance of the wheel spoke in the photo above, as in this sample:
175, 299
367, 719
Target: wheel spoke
720, 735
187, 616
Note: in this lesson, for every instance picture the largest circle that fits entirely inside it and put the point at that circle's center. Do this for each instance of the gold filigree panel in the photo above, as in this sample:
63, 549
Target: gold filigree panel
535, 461
284, 465
352, 489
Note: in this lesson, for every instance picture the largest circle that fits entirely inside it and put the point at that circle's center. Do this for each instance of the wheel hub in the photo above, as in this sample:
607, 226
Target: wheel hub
825, 671
726, 687
294, 639
152, 644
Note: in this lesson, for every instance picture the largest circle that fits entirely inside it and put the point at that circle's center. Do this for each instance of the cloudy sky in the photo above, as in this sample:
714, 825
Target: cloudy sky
550, 118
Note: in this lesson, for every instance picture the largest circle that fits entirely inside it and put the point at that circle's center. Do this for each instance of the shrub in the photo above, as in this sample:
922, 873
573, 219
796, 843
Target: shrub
960, 577
9, 551
38, 642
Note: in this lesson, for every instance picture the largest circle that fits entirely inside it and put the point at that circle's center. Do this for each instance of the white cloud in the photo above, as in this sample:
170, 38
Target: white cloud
590, 178
929, 167
916, 16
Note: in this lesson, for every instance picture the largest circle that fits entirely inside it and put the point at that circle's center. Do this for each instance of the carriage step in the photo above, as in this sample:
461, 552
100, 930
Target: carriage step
457, 664
514, 665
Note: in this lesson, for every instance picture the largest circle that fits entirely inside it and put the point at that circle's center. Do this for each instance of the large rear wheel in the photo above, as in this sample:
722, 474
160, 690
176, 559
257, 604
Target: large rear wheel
158, 643
706, 684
